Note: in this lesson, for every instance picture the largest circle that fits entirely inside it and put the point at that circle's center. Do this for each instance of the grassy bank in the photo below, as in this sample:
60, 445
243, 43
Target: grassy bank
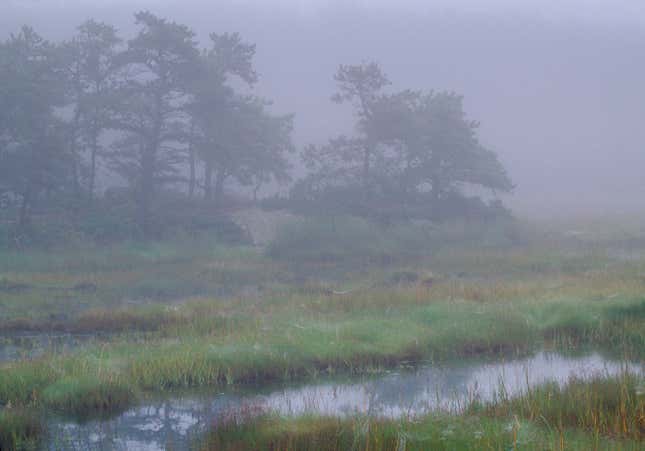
289, 337
607, 413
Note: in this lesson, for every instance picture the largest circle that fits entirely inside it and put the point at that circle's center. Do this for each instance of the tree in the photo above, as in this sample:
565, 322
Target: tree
361, 85
31, 146
233, 134
414, 152
91, 70
439, 147
157, 68
239, 139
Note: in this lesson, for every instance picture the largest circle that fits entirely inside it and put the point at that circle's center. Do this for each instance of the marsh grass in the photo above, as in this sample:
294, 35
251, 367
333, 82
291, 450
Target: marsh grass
172, 329
88, 397
600, 413
602, 406
433, 432
291, 338
20, 430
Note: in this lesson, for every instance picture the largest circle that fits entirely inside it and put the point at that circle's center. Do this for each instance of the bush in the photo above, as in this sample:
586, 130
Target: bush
113, 218
348, 238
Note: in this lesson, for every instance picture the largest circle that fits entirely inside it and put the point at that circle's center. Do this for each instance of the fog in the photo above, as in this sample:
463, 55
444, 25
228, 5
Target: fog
310, 224
557, 86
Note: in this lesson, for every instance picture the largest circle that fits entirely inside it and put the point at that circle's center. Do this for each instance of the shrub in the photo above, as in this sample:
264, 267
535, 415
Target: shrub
351, 238
333, 239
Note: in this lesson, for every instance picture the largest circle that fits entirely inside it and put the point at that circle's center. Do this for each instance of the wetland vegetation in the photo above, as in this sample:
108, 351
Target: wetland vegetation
317, 318
181, 269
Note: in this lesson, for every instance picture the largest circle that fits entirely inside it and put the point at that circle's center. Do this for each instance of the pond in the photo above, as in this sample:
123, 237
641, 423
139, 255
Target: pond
172, 423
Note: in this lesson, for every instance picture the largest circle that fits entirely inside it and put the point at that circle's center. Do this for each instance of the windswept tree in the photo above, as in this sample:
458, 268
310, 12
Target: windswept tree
342, 171
91, 70
157, 68
415, 152
32, 154
250, 146
233, 134
446, 150
436, 148
212, 98
361, 86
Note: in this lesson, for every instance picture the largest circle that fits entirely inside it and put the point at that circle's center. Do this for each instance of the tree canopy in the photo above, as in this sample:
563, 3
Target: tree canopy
413, 153
161, 114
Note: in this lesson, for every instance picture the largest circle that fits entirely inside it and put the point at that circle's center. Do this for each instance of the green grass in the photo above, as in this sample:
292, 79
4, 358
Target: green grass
435, 432
212, 342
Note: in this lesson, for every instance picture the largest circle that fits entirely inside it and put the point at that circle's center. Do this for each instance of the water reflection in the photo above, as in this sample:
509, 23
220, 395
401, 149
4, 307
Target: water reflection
171, 424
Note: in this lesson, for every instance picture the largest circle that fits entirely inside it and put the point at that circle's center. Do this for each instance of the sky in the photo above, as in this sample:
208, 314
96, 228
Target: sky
556, 85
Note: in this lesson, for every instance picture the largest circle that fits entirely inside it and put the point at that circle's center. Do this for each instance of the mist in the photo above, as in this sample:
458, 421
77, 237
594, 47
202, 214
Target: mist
556, 87
322, 225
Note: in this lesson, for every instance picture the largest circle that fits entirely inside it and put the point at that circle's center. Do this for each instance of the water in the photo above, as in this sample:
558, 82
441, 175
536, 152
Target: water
173, 423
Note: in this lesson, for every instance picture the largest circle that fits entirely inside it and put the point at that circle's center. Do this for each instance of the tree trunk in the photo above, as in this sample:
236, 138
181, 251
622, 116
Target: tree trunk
367, 154
23, 214
208, 180
192, 163
93, 155
75, 158
219, 187
149, 169
256, 190
146, 191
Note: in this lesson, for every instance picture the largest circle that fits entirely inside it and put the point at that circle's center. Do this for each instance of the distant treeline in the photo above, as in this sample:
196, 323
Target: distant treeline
174, 120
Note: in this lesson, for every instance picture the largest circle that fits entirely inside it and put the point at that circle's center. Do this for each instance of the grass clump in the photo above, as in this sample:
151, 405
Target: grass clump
612, 407
432, 432
83, 397
311, 433
20, 430
21, 383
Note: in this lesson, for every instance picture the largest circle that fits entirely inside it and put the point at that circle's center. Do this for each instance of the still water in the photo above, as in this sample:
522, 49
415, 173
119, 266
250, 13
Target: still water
173, 423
